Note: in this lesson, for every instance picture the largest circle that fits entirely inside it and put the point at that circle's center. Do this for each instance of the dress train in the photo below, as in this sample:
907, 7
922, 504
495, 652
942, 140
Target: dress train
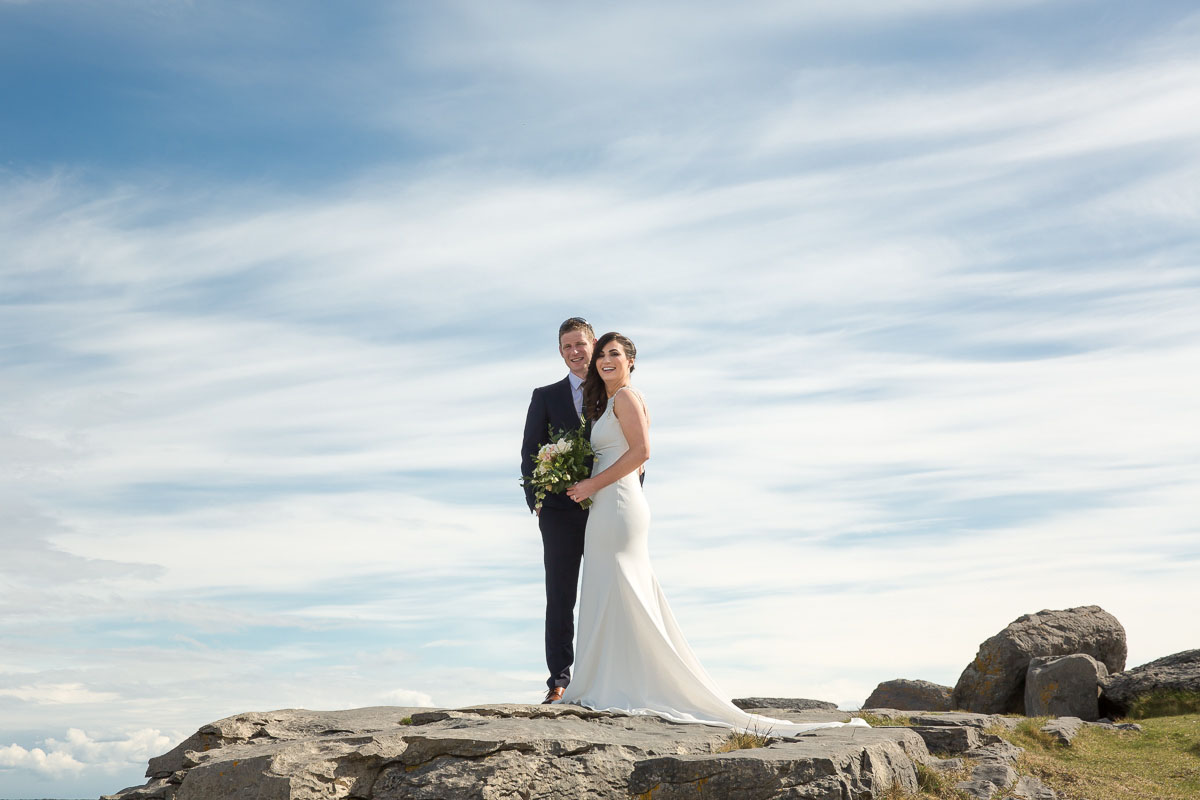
631, 656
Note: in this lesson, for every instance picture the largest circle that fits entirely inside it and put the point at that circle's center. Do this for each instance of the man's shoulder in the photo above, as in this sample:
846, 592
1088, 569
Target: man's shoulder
551, 387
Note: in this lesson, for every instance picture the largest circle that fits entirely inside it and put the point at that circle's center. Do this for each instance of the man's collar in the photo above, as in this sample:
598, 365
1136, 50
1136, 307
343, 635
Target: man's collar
575, 381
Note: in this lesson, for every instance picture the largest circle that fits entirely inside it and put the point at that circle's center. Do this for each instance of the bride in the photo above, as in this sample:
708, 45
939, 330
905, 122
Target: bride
631, 656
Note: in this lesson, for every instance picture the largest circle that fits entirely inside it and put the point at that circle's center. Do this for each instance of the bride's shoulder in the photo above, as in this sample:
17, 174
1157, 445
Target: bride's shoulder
629, 397
633, 391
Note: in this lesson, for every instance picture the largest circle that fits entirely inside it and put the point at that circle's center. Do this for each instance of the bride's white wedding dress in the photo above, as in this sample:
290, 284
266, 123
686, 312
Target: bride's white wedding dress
631, 656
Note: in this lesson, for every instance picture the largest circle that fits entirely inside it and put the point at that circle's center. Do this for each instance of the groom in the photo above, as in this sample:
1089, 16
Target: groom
561, 520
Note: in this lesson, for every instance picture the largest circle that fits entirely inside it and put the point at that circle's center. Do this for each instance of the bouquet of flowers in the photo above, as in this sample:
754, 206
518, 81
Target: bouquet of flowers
560, 464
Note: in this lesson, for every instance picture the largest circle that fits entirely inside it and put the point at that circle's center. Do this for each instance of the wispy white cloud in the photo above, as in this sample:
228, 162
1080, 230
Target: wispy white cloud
57, 693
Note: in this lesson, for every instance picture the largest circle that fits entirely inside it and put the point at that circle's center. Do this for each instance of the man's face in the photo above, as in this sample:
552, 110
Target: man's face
576, 350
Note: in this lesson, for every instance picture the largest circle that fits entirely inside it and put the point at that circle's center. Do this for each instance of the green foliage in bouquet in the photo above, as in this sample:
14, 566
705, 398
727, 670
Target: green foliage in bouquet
560, 464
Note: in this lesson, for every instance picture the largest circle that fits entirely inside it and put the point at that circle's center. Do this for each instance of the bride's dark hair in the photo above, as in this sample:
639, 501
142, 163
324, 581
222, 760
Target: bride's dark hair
595, 396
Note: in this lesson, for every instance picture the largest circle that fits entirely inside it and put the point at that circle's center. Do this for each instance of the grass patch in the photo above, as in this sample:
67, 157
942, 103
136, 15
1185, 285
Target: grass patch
1028, 734
745, 740
406, 721
1165, 703
884, 722
932, 785
1161, 763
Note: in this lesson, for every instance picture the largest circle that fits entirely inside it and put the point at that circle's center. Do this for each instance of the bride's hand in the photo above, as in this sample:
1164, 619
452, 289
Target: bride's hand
582, 490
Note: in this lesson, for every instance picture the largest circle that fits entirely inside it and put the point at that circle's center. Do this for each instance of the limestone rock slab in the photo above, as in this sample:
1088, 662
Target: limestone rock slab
789, 703
962, 719
949, 738
824, 765
383, 753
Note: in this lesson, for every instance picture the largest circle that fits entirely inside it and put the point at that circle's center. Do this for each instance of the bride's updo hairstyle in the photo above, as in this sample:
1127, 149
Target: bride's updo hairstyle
595, 396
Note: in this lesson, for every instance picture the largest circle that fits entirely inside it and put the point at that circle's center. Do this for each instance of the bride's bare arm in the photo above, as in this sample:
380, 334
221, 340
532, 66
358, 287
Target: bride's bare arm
631, 414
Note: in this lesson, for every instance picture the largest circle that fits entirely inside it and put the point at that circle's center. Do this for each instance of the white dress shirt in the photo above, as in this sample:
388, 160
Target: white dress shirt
576, 391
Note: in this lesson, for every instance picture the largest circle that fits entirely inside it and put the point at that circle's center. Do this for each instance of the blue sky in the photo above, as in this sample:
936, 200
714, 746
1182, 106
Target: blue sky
914, 287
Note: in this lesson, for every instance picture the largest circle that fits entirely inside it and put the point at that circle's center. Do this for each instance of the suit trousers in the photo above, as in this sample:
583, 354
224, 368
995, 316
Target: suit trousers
562, 550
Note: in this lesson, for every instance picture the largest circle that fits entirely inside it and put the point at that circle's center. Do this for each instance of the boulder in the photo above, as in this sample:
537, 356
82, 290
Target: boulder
908, 695
994, 682
1179, 672
786, 703
1064, 686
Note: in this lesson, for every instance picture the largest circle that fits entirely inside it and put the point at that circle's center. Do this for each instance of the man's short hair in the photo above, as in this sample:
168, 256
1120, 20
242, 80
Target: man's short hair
577, 324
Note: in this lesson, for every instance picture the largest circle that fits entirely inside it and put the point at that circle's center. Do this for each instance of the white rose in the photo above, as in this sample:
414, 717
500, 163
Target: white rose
563, 446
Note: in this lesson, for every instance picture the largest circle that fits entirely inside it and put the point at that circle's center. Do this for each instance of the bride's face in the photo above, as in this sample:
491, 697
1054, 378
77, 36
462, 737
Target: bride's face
613, 365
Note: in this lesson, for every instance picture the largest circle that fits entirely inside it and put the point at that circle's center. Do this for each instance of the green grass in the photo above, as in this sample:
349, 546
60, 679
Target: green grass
1028, 734
1165, 703
745, 740
406, 721
932, 785
1161, 763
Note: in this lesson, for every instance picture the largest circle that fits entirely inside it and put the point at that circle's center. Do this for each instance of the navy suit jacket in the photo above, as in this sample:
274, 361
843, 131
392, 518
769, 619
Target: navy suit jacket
550, 407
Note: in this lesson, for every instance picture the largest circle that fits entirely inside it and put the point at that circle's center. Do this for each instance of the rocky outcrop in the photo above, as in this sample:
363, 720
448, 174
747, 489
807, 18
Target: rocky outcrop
994, 682
1179, 672
785, 703
1064, 686
530, 752
994, 774
910, 695
961, 744
535, 752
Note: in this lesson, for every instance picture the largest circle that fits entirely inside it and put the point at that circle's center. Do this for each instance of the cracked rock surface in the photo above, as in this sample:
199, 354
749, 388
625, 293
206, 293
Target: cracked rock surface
536, 752
835, 764
495, 752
